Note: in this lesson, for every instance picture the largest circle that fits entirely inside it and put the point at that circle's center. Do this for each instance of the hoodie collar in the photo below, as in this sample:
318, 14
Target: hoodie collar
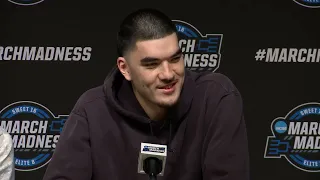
120, 96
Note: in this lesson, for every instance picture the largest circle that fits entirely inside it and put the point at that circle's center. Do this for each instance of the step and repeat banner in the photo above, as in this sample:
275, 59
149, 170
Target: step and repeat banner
51, 51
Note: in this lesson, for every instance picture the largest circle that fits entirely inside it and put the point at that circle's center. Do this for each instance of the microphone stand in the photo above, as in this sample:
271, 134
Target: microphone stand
152, 166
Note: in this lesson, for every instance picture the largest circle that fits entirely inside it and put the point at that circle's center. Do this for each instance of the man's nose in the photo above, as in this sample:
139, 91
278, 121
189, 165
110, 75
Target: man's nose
166, 71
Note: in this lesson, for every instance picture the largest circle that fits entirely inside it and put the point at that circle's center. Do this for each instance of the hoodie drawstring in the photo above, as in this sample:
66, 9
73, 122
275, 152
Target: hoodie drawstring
151, 129
170, 134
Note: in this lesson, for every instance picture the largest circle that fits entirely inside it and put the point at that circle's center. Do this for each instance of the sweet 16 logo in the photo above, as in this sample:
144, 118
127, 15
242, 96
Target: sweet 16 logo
201, 52
296, 137
308, 3
35, 131
25, 2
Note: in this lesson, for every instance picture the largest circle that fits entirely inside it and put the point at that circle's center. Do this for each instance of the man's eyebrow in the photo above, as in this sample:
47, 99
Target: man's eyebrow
146, 60
178, 52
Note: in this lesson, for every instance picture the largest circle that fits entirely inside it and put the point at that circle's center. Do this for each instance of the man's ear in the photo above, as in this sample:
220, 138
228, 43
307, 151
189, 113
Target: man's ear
124, 68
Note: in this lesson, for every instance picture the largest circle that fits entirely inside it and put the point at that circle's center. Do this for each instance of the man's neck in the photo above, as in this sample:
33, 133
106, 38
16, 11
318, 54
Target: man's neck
153, 111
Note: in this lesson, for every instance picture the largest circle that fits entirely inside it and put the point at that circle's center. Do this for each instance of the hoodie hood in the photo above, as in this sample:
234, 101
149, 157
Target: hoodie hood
120, 96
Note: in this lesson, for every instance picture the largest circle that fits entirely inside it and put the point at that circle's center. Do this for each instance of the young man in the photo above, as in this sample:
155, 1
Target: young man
6, 156
151, 98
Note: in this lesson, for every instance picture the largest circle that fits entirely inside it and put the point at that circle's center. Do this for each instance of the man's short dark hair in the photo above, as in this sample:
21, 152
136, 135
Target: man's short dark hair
143, 24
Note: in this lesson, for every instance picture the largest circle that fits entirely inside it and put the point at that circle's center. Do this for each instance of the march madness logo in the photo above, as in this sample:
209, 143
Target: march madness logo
309, 3
296, 137
201, 52
26, 2
35, 131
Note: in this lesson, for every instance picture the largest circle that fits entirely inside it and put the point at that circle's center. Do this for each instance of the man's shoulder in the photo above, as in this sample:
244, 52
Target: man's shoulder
214, 81
90, 96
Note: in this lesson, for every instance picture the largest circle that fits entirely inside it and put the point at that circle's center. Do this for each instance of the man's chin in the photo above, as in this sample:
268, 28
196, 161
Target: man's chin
168, 103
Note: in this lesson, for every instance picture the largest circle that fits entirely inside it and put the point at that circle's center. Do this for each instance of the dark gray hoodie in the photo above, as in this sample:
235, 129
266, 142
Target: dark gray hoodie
205, 133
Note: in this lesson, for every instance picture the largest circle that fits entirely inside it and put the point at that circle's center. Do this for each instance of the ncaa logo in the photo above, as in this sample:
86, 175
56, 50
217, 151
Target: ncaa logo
201, 52
296, 137
308, 3
25, 2
35, 131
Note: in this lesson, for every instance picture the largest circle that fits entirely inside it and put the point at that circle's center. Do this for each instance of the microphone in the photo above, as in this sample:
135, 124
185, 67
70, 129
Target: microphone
152, 160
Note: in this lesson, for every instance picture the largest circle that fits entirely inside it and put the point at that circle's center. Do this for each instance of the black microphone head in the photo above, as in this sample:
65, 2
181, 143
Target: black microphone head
152, 166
